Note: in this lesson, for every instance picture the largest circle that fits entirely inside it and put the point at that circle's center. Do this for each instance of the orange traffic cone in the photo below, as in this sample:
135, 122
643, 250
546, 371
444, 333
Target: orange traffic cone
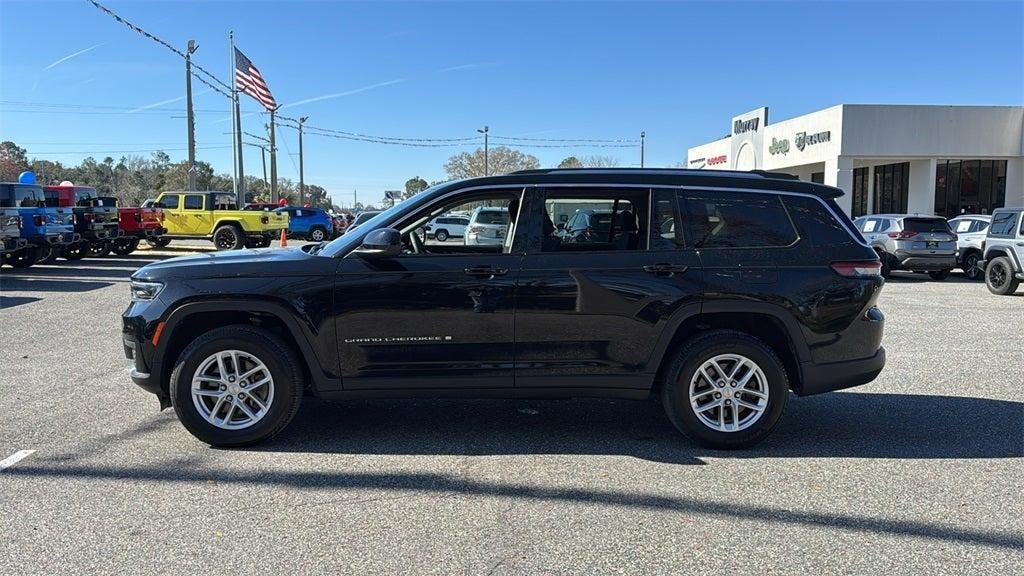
284, 238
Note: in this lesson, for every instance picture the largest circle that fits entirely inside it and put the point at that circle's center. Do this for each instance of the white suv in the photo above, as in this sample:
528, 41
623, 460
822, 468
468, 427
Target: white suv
487, 226
447, 226
970, 230
1004, 251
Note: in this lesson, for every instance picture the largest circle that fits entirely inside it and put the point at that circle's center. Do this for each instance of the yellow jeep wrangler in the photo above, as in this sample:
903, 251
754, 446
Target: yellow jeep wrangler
215, 216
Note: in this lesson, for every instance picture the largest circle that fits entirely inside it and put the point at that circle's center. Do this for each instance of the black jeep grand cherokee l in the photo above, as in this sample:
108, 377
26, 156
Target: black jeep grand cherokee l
716, 291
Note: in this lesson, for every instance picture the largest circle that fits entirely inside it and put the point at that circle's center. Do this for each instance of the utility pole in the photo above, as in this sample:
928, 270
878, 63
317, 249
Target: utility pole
487, 168
273, 160
263, 153
302, 181
643, 134
192, 47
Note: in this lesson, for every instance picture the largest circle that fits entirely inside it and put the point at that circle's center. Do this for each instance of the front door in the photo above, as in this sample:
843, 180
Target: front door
441, 315
592, 304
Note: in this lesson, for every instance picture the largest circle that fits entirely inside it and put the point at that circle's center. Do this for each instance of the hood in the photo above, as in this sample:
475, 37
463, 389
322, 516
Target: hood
259, 262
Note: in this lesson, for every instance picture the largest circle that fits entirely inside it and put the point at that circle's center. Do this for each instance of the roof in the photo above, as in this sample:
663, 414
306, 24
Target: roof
755, 179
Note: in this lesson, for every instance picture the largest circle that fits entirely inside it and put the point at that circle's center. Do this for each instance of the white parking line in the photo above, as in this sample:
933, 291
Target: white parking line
15, 458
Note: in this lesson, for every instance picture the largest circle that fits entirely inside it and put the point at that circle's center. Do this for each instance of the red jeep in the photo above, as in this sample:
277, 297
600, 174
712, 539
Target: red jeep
138, 224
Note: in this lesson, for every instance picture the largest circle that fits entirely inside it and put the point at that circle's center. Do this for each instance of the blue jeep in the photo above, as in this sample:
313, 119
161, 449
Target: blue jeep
309, 223
44, 231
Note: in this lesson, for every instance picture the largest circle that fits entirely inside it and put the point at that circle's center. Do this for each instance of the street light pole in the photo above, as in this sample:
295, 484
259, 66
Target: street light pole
487, 168
192, 47
643, 134
273, 160
302, 181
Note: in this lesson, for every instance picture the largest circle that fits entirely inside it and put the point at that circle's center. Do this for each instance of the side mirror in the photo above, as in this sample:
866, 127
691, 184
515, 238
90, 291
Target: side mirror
381, 243
560, 226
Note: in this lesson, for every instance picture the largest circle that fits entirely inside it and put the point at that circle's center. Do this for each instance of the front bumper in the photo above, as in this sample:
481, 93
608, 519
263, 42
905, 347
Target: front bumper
819, 378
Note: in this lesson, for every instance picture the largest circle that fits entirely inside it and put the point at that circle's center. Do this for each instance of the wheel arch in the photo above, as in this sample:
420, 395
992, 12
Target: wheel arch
766, 322
188, 321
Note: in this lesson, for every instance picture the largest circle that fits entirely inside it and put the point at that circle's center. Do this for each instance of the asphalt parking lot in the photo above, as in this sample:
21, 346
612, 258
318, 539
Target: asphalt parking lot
919, 472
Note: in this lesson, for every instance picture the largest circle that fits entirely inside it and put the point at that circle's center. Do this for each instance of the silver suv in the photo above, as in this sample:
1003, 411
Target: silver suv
487, 226
1004, 251
970, 230
914, 242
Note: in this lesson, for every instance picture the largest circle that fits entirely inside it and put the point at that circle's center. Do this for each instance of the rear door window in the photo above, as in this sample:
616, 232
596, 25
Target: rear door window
737, 220
193, 202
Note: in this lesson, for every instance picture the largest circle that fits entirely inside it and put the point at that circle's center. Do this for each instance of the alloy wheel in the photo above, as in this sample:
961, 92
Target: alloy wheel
318, 235
232, 389
972, 268
997, 275
729, 393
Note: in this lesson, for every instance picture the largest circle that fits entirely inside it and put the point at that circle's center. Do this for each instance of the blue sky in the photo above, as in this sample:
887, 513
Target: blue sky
442, 70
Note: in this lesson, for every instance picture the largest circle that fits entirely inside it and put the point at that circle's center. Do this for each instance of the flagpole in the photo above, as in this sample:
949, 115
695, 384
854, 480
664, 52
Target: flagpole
234, 109
240, 193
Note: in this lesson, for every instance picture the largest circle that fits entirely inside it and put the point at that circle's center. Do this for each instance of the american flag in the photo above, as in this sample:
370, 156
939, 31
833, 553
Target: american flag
251, 82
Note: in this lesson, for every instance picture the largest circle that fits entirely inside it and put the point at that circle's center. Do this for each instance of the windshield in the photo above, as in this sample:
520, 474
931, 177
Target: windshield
345, 243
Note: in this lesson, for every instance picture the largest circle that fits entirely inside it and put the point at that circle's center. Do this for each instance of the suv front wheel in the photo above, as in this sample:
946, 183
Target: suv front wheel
725, 389
999, 277
236, 386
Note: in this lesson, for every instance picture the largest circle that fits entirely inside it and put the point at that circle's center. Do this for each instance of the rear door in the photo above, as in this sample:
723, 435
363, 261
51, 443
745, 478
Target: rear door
591, 313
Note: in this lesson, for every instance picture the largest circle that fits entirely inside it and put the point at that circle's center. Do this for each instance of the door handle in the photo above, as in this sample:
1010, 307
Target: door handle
485, 271
665, 269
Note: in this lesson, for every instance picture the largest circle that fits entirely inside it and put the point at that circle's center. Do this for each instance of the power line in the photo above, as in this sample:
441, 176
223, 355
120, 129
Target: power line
150, 150
572, 140
167, 45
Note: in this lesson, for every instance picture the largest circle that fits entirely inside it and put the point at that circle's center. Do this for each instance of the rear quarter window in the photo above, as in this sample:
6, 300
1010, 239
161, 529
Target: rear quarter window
737, 220
1003, 224
817, 224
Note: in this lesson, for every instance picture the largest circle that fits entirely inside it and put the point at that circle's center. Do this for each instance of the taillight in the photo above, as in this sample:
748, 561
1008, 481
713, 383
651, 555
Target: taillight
264, 219
865, 269
955, 237
138, 216
476, 229
902, 235
38, 220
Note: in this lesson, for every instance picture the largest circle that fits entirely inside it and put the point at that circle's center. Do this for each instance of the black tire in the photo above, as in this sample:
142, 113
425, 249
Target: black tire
971, 268
318, 234
125, 247
688, 359
939, 274
75, 251
228, 237
22, 258
886, 267
99, 248
158, 242
999, 277
282, 363
46, 255
441, 235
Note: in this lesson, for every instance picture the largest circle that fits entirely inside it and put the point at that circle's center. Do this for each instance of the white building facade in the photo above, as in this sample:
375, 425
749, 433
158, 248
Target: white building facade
944, 160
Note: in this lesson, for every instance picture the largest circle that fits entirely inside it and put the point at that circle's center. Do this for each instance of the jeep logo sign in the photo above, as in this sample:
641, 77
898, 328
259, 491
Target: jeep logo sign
779, 146
803, 139
741, 126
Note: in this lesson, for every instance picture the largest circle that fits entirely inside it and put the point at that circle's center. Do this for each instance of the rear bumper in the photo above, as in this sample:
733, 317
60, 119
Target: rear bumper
818, 378
912, 261
13, 244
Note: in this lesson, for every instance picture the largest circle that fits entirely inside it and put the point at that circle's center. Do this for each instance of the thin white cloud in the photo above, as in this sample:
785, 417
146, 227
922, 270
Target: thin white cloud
70, 56
168, 101
460, 67
343, 94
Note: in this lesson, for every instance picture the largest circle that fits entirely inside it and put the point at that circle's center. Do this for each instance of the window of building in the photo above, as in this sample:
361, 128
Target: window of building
737, 220
193, 202
860, 192
892, 186
969, 186
818, 177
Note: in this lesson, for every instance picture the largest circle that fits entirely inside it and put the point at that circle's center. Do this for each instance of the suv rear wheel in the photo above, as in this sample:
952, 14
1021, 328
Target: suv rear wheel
971, 266
228, 237
317, 234
236, 386
725, 389
999, 277
441, 235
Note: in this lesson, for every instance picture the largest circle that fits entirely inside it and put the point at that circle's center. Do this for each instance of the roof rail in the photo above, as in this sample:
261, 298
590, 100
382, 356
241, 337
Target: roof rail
690, 171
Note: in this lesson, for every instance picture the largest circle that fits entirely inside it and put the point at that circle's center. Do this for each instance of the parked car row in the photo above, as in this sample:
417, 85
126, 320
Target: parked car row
989, 247
42, 223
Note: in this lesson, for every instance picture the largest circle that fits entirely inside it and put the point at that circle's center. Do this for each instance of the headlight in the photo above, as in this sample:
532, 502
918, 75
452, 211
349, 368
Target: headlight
145, 290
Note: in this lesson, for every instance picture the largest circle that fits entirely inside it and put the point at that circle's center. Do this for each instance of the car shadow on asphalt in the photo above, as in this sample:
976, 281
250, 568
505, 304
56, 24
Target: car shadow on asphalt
839, 425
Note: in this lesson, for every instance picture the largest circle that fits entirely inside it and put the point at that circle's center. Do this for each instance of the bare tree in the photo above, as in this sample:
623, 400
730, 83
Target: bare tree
599, 161
500, 160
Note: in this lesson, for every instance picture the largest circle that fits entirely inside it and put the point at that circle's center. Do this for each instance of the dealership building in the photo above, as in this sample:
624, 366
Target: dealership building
944, 160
